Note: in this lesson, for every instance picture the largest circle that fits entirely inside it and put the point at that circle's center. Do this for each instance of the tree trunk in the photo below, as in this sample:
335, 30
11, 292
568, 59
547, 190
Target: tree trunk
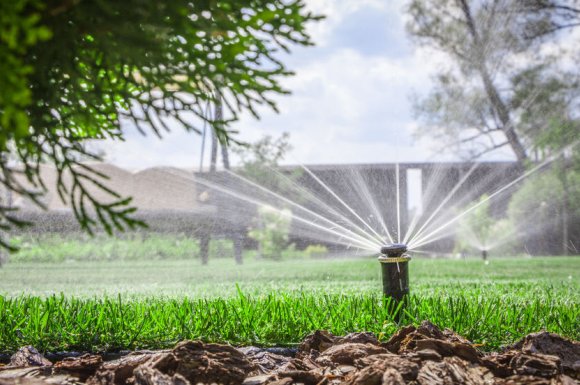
204, 246
206, 234
491, 90
565, 207
214, 151
219, 116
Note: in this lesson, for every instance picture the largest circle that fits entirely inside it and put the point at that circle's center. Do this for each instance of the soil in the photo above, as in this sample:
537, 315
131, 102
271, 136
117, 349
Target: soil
414, 355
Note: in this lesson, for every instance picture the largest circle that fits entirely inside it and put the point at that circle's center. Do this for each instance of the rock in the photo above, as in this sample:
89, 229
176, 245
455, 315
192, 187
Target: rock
26, 357
346, 354
81, 367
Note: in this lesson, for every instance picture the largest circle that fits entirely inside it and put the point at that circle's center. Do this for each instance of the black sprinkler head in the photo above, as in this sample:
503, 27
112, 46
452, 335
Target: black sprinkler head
394, 249
395, 271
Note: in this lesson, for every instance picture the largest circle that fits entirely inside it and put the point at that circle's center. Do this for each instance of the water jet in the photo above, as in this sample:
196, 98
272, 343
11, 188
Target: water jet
395, 270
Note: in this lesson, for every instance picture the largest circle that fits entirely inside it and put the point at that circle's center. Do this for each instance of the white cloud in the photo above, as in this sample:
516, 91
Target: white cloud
346, 106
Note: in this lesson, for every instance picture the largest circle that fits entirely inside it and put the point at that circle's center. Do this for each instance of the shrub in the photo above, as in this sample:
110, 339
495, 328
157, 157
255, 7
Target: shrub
536, 212
271, 231
314, 251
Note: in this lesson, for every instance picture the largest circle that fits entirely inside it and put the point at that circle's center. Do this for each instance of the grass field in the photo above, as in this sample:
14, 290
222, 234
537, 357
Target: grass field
149, 304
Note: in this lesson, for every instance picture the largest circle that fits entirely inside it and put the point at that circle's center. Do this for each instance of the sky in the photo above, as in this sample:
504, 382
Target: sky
350, 102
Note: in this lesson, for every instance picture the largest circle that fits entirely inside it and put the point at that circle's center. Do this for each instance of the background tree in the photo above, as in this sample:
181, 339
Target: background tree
259, 163
71, 71
475, 230
491, 44
259, 159
548, 17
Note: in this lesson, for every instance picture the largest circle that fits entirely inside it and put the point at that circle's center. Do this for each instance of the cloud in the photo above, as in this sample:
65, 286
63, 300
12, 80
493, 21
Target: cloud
350, 100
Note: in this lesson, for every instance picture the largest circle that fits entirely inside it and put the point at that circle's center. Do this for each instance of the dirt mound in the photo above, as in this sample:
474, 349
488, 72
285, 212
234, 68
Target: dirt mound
414, 355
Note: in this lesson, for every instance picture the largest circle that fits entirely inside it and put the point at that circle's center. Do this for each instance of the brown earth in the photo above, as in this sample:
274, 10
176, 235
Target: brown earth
414, 355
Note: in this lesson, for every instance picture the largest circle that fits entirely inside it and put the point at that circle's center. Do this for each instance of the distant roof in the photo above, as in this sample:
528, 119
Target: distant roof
158, 188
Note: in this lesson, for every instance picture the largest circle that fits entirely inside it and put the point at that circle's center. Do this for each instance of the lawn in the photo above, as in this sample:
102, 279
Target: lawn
110, 305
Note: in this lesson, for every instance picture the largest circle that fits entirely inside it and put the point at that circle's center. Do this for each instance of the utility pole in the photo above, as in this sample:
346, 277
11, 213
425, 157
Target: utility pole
238, 234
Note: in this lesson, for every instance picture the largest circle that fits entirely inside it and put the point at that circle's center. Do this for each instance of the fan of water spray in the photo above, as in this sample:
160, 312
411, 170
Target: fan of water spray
359, 208
363, 209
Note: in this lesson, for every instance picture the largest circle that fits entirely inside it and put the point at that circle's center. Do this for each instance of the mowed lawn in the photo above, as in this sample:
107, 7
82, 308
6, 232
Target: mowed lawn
150, 304
525, 277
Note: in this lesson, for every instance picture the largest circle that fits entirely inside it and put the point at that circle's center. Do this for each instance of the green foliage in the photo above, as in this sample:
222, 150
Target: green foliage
152, 304
315, 251
271, 231
478, 230
132, 247
20, 31
259, 162
535, 210
498, 88
72, 71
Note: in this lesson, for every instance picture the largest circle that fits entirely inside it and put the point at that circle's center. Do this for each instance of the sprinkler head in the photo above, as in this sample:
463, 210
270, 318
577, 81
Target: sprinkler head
394, 250
395, 271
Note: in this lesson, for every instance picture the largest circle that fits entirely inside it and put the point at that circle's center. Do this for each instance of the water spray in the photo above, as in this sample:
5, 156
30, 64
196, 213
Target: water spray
395, 268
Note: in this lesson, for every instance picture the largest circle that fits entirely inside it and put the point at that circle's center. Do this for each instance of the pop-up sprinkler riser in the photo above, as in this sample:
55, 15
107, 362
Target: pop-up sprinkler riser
395, 269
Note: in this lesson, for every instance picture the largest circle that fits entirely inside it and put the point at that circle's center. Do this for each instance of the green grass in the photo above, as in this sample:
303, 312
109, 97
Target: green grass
108, 305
